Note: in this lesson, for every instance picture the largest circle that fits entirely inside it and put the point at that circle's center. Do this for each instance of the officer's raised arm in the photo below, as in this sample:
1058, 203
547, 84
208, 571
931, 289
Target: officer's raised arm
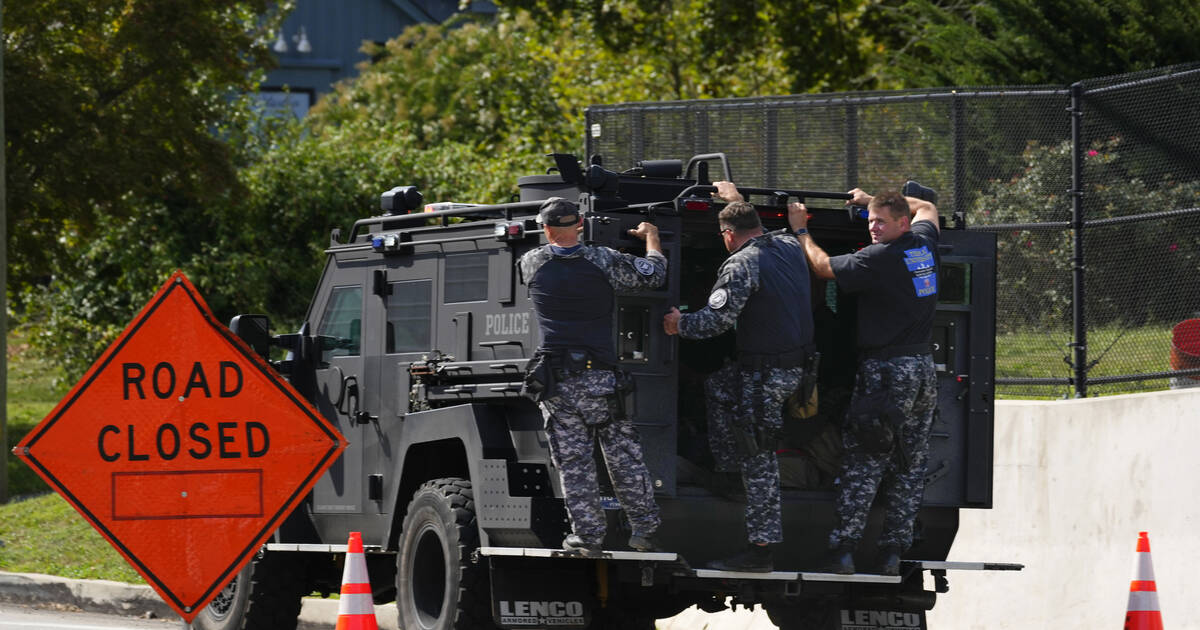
627, 272
727, 191
923, 210
818, 260
648, 232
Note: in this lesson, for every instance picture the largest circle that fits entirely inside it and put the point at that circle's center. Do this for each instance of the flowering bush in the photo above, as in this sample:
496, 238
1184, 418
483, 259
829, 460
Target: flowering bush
1137, 271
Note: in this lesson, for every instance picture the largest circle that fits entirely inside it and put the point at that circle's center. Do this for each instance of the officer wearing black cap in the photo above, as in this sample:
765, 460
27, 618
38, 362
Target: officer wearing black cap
574, 375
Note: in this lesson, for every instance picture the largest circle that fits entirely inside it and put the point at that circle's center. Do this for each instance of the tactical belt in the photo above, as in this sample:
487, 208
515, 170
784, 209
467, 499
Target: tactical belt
891, 352
782, 360
575, 360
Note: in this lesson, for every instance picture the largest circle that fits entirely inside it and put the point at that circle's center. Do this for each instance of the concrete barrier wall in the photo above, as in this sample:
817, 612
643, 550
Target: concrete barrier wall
1075, 481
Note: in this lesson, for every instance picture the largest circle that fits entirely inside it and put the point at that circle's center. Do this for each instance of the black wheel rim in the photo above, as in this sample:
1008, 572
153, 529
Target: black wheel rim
222, 604
428, 578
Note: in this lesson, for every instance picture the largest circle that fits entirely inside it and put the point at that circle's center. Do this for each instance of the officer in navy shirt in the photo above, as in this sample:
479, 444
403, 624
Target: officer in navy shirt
886, 434
572, 287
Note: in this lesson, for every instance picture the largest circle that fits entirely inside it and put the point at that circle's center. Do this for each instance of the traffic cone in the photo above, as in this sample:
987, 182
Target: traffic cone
356, 610
1143, 612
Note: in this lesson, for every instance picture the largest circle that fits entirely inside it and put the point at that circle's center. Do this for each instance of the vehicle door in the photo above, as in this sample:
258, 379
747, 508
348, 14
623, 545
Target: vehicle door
959, 471
339, 380
402, 300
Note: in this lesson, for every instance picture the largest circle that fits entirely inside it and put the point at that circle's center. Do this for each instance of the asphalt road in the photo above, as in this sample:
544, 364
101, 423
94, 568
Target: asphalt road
18, 617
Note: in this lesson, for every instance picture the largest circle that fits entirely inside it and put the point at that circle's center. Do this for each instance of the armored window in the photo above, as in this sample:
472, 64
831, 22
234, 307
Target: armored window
466, 278
408, 316
343, 321
954, 286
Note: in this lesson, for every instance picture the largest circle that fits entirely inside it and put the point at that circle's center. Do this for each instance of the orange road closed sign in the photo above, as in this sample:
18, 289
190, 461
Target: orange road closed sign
183, 448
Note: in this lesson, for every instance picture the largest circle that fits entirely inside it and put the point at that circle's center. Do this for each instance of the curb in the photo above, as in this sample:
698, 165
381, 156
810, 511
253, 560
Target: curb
138, 600
101, 596
318, 614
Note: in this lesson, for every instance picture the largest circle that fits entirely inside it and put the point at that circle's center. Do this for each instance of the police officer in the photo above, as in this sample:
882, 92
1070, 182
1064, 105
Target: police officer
886, 436
572, 287
763, 288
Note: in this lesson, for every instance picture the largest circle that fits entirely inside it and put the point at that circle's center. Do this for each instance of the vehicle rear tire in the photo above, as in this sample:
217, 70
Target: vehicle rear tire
616, 617
804, 618
265, 595
438, 587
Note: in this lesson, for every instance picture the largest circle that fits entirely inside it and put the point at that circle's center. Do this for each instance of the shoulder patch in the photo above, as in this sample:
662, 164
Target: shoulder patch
643, 266
718, 298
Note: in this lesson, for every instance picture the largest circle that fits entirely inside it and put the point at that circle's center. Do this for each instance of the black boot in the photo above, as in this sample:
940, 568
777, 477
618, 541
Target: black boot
841, 560
754, 559
647, 543
574, 543
888, 561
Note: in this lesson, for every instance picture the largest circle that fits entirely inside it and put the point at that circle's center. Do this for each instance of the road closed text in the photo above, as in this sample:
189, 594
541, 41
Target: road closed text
164, 381
195, 440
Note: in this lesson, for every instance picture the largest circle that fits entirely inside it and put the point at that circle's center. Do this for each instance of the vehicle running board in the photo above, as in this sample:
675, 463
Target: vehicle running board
874, 578
792, 576
533, 552
319, 548
969, 566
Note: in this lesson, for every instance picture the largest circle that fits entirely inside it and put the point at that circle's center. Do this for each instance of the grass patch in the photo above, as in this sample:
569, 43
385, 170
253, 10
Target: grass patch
1113, 350
39, 531
44, 534
34, 387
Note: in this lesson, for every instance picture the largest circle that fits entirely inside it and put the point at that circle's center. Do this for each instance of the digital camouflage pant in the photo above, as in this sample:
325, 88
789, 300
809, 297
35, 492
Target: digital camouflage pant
734, 395
576, 416
912, 383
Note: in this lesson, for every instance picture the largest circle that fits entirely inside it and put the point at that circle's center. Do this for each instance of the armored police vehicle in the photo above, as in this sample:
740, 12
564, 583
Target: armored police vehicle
415, 345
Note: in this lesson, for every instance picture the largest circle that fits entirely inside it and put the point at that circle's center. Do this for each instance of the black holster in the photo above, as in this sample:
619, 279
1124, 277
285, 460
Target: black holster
876, 421
540, 376
870, 420
620, 403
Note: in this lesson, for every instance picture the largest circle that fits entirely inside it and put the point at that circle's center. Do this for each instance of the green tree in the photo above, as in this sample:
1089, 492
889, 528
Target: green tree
704, 49
110, 103
257, 246
932, 43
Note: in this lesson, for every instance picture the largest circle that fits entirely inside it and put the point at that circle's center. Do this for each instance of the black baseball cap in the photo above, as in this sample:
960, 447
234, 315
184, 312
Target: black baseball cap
558, 212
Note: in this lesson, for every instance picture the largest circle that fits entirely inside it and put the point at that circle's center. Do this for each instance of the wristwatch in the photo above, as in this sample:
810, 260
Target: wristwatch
802, 231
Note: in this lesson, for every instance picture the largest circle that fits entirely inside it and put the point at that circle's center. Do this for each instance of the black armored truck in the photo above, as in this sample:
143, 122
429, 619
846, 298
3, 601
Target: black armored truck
415, 346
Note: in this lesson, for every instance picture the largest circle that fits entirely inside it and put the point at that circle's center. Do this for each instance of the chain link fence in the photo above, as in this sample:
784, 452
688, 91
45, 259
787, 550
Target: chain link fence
1092, 189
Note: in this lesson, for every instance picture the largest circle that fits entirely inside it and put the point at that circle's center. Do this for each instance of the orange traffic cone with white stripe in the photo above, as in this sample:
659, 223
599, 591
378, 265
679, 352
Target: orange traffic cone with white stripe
1143, 612
356, 609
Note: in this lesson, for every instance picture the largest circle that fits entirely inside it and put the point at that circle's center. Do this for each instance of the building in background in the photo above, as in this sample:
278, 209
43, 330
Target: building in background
320, 42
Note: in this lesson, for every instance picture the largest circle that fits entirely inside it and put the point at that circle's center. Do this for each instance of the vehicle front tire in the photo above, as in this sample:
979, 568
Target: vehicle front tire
438, 587
265, 595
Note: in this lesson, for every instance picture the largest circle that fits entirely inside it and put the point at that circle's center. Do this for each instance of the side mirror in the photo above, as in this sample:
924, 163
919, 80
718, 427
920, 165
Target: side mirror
255, 330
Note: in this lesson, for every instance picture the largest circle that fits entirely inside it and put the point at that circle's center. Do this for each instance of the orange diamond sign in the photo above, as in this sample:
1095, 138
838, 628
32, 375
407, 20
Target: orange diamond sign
183, 448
